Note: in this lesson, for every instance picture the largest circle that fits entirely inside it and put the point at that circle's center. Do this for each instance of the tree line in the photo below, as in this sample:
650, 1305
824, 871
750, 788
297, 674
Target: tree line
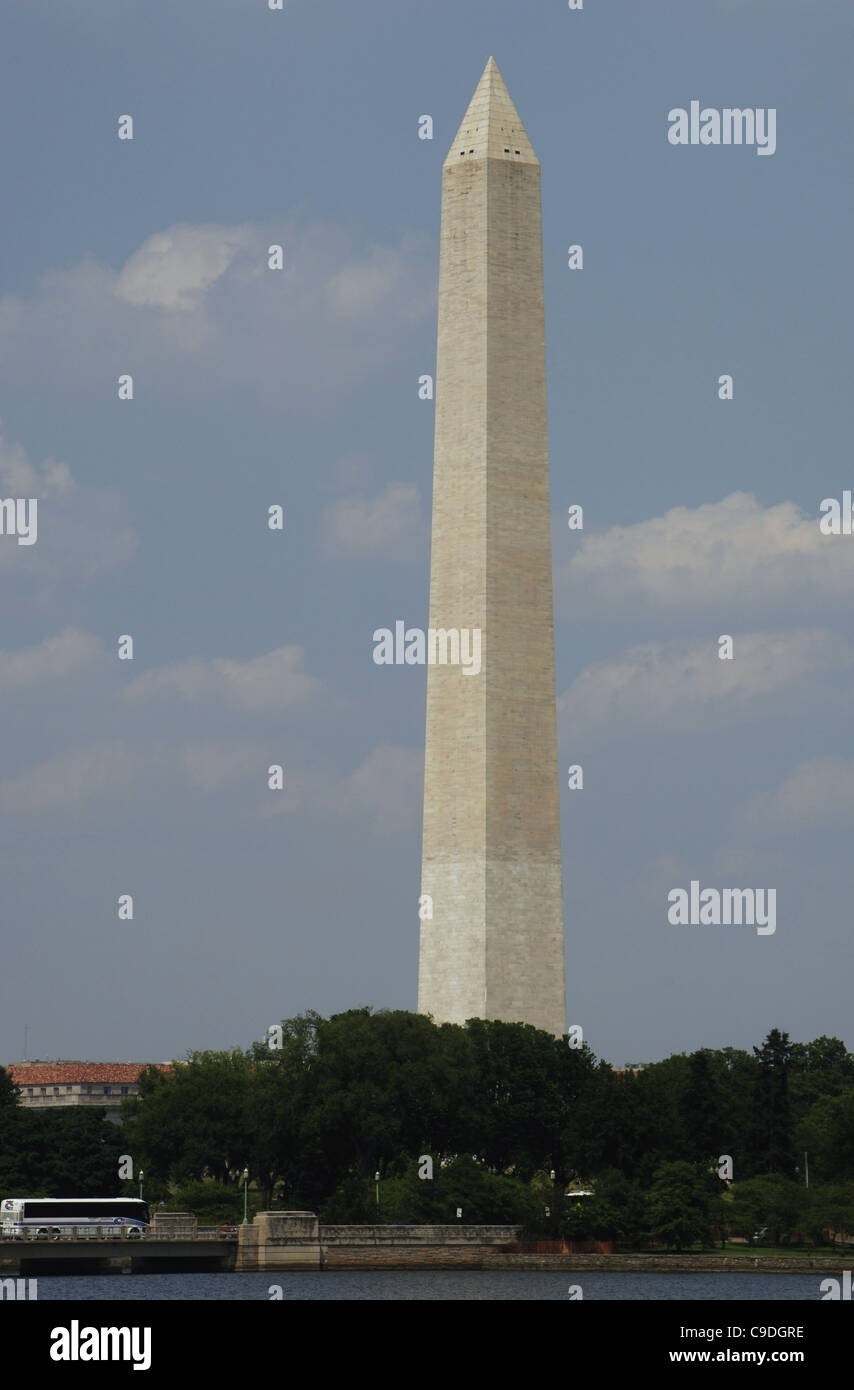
510, 1118
57, 1152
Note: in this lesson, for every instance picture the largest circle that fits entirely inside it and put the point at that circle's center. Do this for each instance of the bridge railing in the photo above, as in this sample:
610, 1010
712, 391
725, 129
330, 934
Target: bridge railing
89, 1233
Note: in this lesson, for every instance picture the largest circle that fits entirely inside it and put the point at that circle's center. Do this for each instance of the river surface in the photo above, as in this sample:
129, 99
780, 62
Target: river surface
452, 1285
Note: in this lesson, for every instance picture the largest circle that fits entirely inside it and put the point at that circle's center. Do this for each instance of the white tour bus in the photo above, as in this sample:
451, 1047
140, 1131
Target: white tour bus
50, 1218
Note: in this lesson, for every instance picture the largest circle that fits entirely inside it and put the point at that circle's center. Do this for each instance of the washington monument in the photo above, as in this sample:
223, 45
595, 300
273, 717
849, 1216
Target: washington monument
491, 871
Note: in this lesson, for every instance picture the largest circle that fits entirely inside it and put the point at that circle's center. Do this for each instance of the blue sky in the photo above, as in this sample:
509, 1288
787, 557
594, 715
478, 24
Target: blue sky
254, 387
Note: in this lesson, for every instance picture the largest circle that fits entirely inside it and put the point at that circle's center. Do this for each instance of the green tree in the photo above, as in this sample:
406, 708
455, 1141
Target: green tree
827, 1214
681, 1211
737, 1073
835, 1203
521, 1109
484, 1198
624, 1207
768, 1200
9, 1092
61, 1153
277, 1103
701, 1111
817, 1070
580, 1108
659, 1134
10, 1127
597, 1111
380, 1090
773, 1137
190, 1123
826, 1133
211, 1202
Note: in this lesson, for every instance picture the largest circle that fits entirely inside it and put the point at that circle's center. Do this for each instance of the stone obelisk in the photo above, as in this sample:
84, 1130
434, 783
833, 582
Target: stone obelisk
491, 870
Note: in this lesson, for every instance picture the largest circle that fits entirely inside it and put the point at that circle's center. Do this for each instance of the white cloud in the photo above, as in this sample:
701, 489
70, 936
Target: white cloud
135, 757
388, 786
730, 552
684, 685
391, 526
816, 794
380, 281
272, 682
53, 659
70, 780
19, 478
173, 269
384, 793
210, 763
195, 306
82, 532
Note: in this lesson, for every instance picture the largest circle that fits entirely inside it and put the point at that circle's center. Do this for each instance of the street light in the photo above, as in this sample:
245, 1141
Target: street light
245, 1197
141, 1176
377, 1181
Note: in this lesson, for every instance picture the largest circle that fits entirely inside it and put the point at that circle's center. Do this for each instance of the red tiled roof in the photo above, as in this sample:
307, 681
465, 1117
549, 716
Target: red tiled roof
69, 1073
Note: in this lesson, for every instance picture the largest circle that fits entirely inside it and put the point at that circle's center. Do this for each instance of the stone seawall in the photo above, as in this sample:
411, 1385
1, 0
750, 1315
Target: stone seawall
297, 1241
417, 1235
673, 1264
405, 1257
484, 1258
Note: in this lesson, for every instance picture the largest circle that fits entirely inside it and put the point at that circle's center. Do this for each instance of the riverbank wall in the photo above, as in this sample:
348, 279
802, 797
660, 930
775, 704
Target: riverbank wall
278, 1241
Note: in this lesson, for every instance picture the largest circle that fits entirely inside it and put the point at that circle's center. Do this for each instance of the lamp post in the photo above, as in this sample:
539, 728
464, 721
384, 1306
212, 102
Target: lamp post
245, 1197
377, 1181
141, 1176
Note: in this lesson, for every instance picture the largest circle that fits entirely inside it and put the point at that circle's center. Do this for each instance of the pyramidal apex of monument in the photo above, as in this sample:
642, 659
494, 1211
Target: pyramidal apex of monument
491, 128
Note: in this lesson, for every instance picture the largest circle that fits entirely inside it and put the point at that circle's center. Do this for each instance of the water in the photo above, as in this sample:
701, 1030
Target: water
411, 1286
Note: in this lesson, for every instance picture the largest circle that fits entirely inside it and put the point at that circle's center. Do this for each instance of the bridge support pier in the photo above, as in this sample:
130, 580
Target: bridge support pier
279, 1240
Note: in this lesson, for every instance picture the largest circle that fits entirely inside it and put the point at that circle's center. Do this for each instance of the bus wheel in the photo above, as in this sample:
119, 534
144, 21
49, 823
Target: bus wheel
134, 1233
41, 1233
55, 1233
